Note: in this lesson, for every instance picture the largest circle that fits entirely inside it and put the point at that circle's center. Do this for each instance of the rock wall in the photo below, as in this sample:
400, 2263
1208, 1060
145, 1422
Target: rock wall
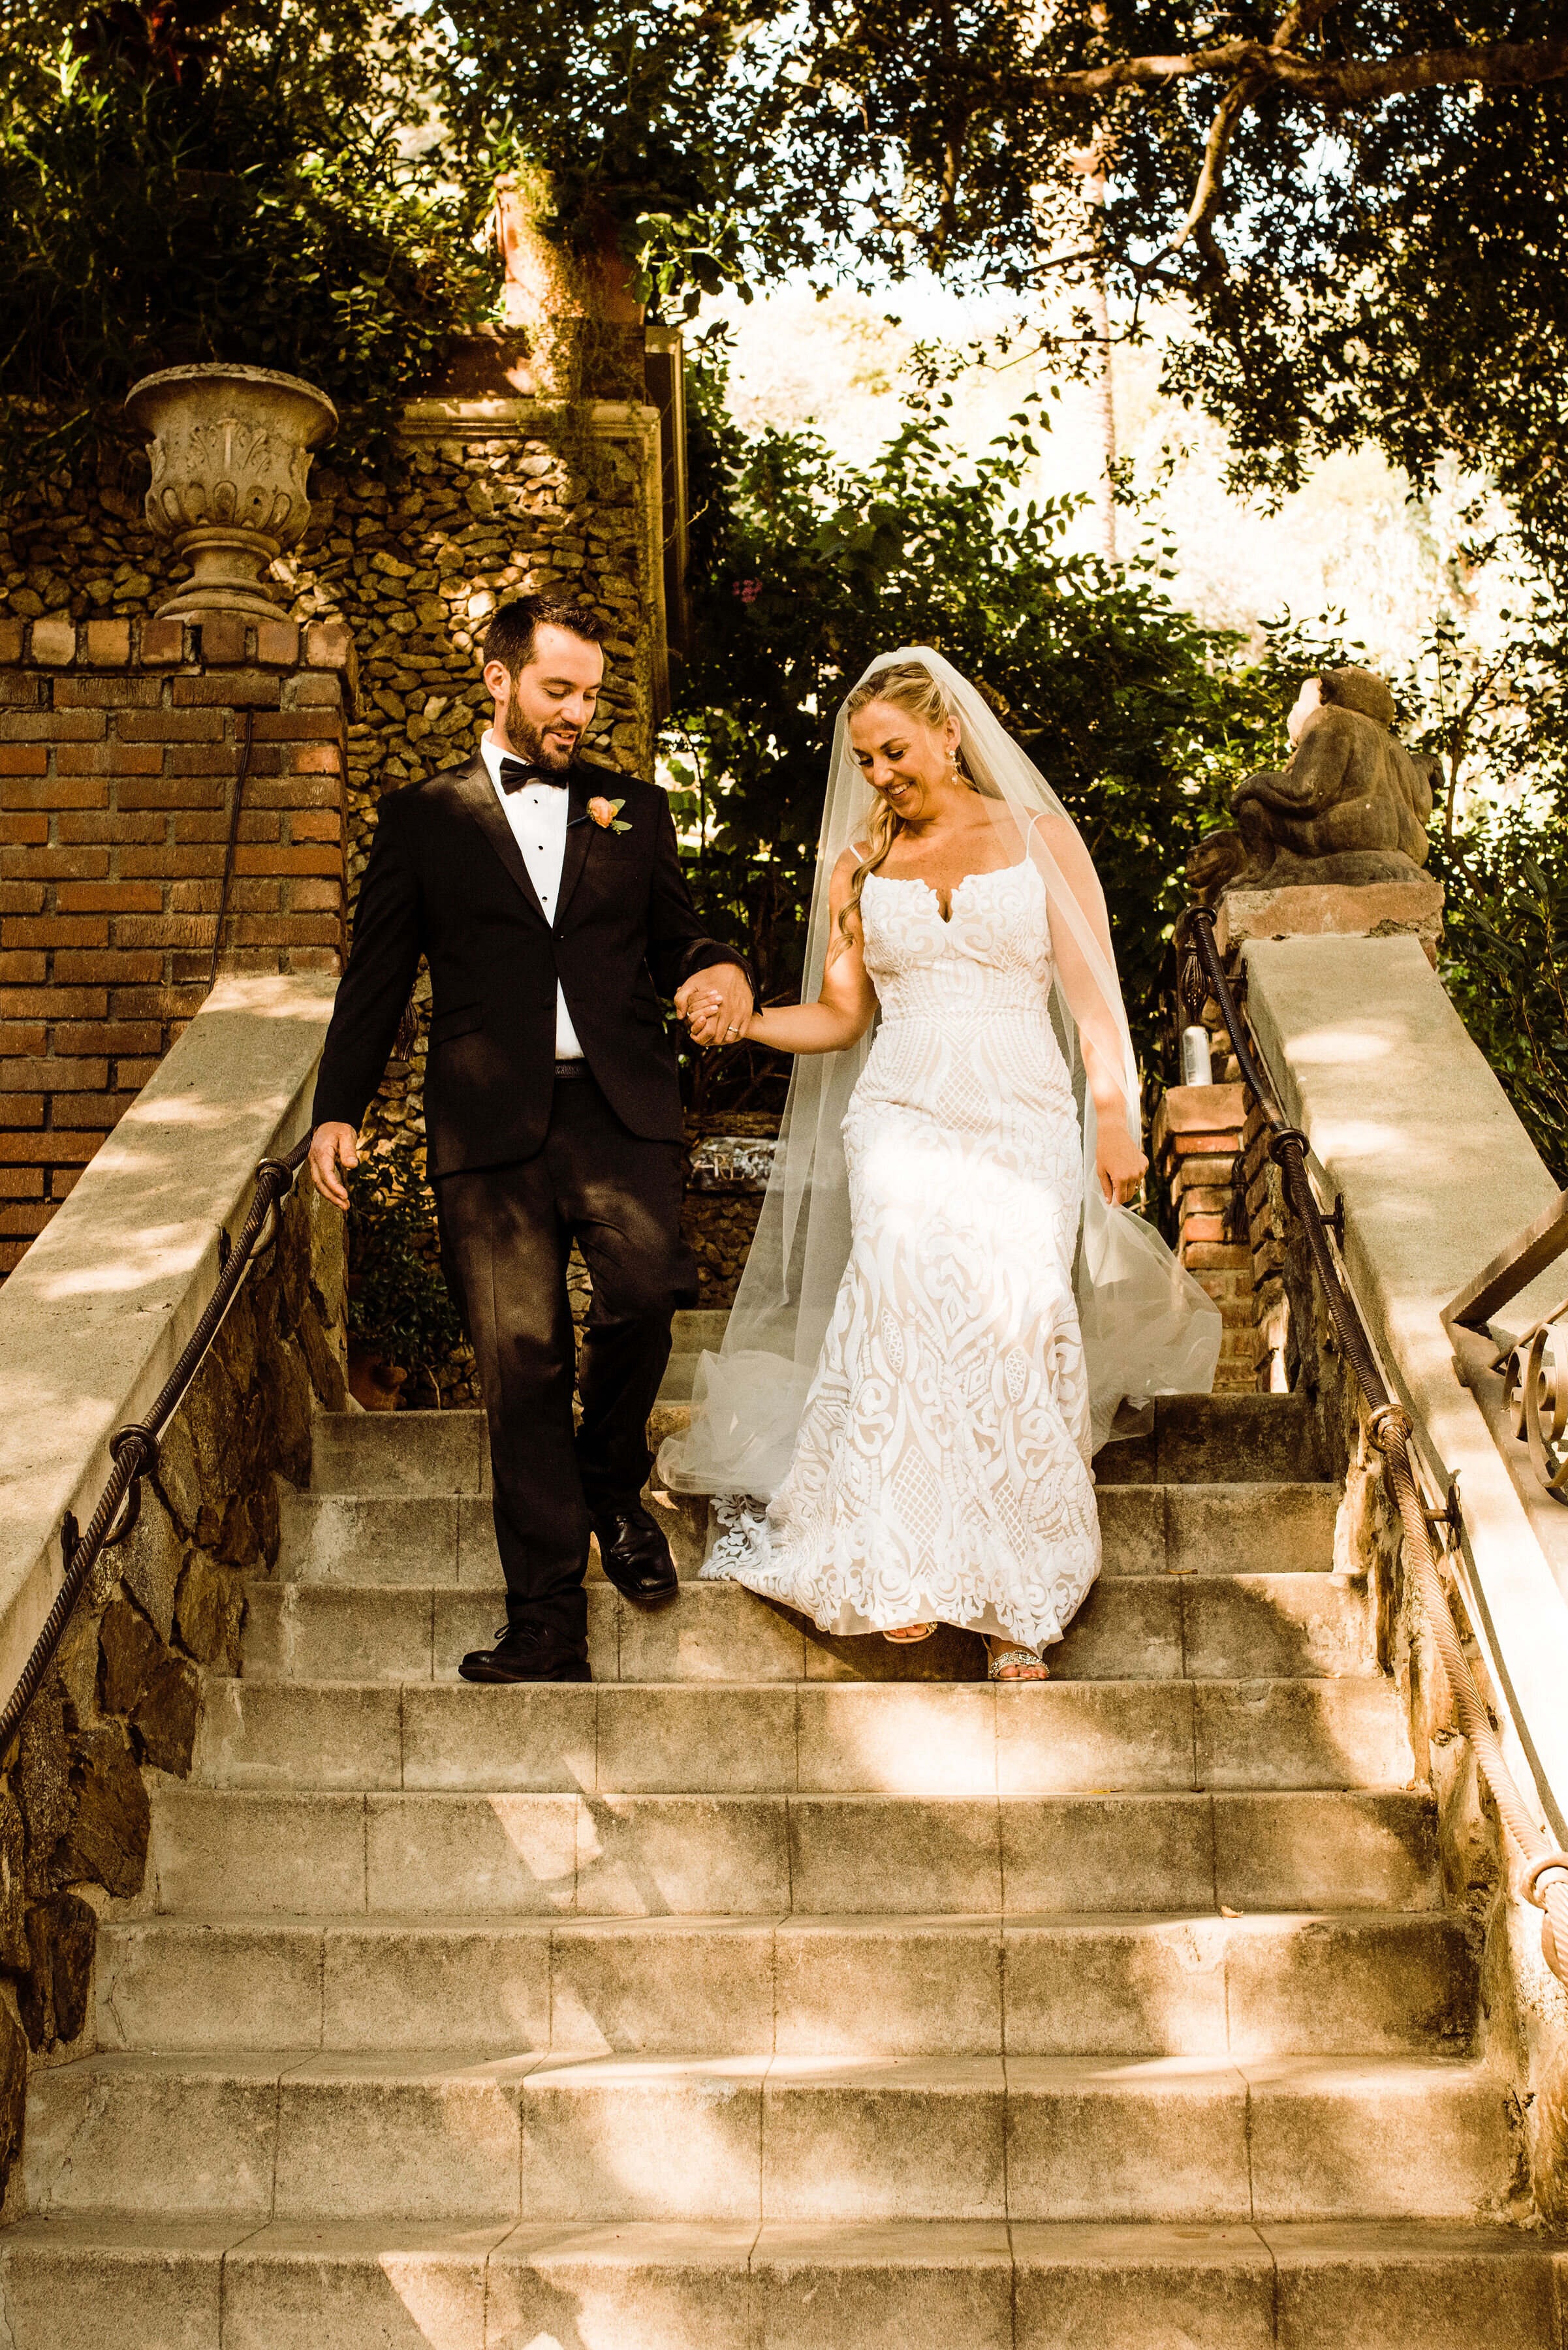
124, 1694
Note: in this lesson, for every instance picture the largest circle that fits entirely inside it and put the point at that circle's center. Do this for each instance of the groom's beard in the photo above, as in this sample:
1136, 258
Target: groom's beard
531, 747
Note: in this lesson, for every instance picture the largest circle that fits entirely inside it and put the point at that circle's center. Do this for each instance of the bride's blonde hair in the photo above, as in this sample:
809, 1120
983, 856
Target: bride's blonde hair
907, 685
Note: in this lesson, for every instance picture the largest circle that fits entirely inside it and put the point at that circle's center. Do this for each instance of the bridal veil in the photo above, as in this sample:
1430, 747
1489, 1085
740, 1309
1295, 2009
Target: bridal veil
1147, 1328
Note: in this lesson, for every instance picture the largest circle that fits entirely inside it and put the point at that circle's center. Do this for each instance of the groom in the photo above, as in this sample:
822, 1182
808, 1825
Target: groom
546, 895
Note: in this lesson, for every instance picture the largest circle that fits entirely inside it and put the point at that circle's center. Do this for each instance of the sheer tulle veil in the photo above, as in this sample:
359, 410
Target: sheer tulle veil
1148, 1329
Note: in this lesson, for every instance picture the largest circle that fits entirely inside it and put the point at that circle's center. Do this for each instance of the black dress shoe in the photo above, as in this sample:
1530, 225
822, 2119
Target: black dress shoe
636, 1556
521, 1655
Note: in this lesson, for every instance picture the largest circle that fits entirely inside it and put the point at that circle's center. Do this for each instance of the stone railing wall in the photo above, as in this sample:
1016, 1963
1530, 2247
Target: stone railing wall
124, 741
89, 1327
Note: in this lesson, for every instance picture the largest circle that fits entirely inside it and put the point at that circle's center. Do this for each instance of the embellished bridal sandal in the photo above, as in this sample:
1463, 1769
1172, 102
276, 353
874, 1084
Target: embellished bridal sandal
906, 1635
1017, 1664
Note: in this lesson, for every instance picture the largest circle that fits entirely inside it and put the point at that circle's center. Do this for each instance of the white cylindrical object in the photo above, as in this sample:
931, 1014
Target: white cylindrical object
1196, 1068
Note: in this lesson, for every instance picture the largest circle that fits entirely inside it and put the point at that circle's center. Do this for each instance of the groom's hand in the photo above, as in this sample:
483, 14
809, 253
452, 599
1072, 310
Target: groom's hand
332, 1146
715, 1003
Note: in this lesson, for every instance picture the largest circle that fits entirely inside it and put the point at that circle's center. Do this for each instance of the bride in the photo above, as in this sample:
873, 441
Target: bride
946, 1309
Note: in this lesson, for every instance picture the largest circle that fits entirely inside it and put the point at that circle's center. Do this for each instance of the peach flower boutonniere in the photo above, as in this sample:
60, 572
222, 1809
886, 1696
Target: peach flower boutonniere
605, 813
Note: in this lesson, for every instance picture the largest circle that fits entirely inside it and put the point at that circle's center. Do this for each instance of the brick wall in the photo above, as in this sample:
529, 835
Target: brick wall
122, 740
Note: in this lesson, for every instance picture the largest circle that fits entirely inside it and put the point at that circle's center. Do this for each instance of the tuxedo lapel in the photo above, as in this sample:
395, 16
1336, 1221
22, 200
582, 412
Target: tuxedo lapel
580, 829
476, 793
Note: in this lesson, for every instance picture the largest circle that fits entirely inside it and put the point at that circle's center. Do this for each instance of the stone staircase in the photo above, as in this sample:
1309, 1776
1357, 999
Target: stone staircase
788, 1993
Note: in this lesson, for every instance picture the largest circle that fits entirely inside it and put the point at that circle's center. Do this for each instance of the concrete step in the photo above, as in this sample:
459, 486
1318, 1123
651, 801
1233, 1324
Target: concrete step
1277, 1626
849, 2139
966, 1738
449, 1536
172, 2284
412, 1453
1385, 1983
1254, 1440
552, 1855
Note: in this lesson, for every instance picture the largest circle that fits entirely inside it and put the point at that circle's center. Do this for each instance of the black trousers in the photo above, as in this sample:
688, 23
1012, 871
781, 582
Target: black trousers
506, 1233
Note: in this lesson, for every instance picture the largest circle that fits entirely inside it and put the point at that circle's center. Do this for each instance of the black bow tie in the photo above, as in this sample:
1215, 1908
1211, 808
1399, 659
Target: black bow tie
515, 777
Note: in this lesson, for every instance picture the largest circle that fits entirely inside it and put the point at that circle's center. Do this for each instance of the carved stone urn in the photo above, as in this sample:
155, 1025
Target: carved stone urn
230, 449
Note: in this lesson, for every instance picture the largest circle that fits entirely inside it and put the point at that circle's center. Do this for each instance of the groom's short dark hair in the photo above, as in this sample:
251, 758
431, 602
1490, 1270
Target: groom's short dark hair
511, 635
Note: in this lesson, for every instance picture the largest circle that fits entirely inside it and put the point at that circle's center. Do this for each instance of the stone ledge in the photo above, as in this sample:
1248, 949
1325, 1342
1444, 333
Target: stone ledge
1342, 910
93, 1318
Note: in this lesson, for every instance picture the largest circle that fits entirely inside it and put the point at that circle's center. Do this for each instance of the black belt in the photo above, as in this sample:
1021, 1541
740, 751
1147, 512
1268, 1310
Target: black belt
571, 1069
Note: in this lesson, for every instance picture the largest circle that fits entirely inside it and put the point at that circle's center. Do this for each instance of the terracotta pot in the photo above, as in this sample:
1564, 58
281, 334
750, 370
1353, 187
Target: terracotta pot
230, 449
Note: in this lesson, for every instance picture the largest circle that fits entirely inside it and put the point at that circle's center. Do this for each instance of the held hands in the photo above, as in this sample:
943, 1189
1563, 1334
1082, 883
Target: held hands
716, 1004
333, 1146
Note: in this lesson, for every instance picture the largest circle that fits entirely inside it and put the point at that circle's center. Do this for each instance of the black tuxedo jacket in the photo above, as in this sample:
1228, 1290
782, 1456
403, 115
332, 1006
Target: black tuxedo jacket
447, 880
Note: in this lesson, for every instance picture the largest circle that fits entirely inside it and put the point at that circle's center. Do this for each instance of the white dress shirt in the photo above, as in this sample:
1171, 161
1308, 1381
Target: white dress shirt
538, 815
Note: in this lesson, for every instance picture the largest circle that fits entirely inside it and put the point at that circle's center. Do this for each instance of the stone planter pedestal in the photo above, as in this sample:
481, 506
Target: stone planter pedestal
230, 449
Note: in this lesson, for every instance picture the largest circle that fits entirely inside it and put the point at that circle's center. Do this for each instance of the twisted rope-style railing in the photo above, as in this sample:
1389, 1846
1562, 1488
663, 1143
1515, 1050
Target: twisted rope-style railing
1389, 1432
134, 1447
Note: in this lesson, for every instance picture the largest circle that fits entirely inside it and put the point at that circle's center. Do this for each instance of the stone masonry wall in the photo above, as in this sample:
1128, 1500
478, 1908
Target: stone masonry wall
124, 1694
122, 743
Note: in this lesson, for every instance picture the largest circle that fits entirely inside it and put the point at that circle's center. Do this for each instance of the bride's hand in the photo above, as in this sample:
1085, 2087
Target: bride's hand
1118, 1161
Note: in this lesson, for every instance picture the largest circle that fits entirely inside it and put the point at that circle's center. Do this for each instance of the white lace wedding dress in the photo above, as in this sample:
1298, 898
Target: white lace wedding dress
941, 1470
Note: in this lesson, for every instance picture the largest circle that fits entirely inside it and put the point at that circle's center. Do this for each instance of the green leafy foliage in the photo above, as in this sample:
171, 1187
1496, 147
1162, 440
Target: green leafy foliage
807, 568
255, 193
398, 1304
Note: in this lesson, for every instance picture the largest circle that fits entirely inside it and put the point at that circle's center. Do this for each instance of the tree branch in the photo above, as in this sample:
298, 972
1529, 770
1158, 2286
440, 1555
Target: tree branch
1353, 81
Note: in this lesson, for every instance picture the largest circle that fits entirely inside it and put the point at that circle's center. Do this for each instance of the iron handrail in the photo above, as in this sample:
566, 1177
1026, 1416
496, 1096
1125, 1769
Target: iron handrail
134, 1447
1390, 1431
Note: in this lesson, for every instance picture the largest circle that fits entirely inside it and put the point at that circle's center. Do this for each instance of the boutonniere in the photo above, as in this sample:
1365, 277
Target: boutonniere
606, 814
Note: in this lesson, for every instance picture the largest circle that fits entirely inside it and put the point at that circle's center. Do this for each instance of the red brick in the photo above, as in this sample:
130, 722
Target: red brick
51, 725
22, 970
53, 1076
54, 639
28, 1221
202, 759
20, 1110
108, 693
54, 791
53, 1003
197, 897
21, 897
160, 931
313, 692
293, 791
26, 1218
162, 643
24, 760
305, 859
110, 759
253, 827
45, 1149
278, 641
20, 690
103, 1110
16, 827
23, 1036
158, 1002
170, 792
315, 897
316, 824
330, 644
63, 1181
224, 638
107, 824
233, 687
314, 958
171, 863
11, 1255
172, 726
21, 1183
54, 862
108, 643
10, 640
109, 897
310, 759
91, 966
136, 1073
298, 726
284, 931
54, 931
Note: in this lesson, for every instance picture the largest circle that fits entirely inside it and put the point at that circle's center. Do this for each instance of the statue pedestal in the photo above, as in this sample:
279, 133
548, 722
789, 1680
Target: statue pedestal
1343, 909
